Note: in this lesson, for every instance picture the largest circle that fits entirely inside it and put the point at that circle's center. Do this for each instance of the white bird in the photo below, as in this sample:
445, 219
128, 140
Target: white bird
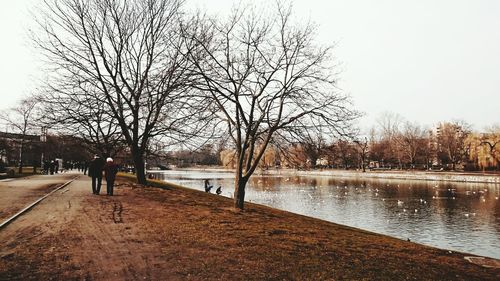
400, 203
466, 215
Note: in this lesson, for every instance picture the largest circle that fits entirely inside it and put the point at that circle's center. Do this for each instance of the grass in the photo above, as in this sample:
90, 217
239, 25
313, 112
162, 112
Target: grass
262, 243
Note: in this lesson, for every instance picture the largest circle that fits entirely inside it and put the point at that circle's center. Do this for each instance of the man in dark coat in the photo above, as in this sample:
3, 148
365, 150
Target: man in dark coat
110, 170
95, 171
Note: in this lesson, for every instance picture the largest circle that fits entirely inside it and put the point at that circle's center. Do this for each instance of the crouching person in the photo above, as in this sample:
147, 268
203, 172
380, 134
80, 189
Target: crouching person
110, 170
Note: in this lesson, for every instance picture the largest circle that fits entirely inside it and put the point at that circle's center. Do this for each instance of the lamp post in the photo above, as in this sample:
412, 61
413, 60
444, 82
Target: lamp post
43, 139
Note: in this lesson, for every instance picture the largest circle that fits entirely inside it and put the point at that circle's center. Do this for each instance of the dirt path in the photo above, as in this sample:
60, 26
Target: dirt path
77, 235
152, 234
15, 194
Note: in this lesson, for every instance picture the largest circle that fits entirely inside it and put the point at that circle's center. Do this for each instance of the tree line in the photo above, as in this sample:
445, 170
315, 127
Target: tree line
393, 143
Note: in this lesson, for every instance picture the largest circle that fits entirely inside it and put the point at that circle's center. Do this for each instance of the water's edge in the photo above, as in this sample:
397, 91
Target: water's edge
399, 175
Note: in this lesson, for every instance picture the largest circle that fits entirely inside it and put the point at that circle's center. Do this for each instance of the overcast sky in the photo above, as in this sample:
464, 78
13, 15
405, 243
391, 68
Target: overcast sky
428, 60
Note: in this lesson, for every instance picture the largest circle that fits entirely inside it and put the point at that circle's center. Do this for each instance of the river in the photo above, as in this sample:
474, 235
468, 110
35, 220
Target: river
456, 216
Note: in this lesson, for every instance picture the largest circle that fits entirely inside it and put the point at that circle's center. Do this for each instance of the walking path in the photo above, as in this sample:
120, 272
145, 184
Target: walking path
17, 193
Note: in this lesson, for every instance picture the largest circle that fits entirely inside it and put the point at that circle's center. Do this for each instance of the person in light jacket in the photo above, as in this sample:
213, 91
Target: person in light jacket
110, 170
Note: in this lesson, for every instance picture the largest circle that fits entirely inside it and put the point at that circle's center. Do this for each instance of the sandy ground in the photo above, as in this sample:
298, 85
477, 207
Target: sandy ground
15, 194
152, 234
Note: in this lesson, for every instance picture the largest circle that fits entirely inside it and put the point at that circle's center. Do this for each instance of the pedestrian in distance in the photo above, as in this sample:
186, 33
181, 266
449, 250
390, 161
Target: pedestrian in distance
46, 165
110, 170
52, 166
95, 172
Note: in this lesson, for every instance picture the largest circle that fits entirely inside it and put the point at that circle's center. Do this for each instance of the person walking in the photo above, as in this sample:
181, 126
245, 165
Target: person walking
95, 171
110, 170
85, 167
52, 166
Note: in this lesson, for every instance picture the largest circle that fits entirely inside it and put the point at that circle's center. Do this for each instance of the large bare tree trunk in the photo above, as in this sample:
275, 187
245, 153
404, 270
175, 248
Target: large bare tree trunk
239, 191
139, 167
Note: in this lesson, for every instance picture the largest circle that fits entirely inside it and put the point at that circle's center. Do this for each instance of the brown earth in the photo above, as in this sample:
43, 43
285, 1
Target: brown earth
15, 194
146, 233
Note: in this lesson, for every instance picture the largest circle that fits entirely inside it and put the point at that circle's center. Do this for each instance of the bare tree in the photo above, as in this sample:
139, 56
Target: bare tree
266, 75
20, 118
127, 55
413, 141
311, 140
362, 148
85, 117
451, 141
390, 128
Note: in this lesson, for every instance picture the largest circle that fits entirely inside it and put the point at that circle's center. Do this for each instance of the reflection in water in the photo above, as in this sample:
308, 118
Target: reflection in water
456, 216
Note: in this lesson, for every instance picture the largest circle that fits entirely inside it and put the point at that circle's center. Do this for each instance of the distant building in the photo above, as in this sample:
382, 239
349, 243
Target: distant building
10, 148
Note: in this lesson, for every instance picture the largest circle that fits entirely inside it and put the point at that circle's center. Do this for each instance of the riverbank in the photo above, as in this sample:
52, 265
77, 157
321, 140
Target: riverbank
471, 177
175, 233
400, 175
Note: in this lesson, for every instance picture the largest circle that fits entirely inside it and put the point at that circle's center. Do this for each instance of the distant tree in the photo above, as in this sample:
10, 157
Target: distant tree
389, 124
66, 147
413, 142
362, 148
291, 155
451, 142
346, 153
266, 75
20, 118
491, 140
227, 158
84, 117
311, 141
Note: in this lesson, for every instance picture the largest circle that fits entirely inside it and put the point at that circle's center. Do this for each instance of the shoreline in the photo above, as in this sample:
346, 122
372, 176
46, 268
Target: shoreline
464, 177
397, 175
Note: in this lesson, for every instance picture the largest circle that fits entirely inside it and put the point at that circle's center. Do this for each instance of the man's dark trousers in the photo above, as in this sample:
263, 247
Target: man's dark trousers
96, 184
